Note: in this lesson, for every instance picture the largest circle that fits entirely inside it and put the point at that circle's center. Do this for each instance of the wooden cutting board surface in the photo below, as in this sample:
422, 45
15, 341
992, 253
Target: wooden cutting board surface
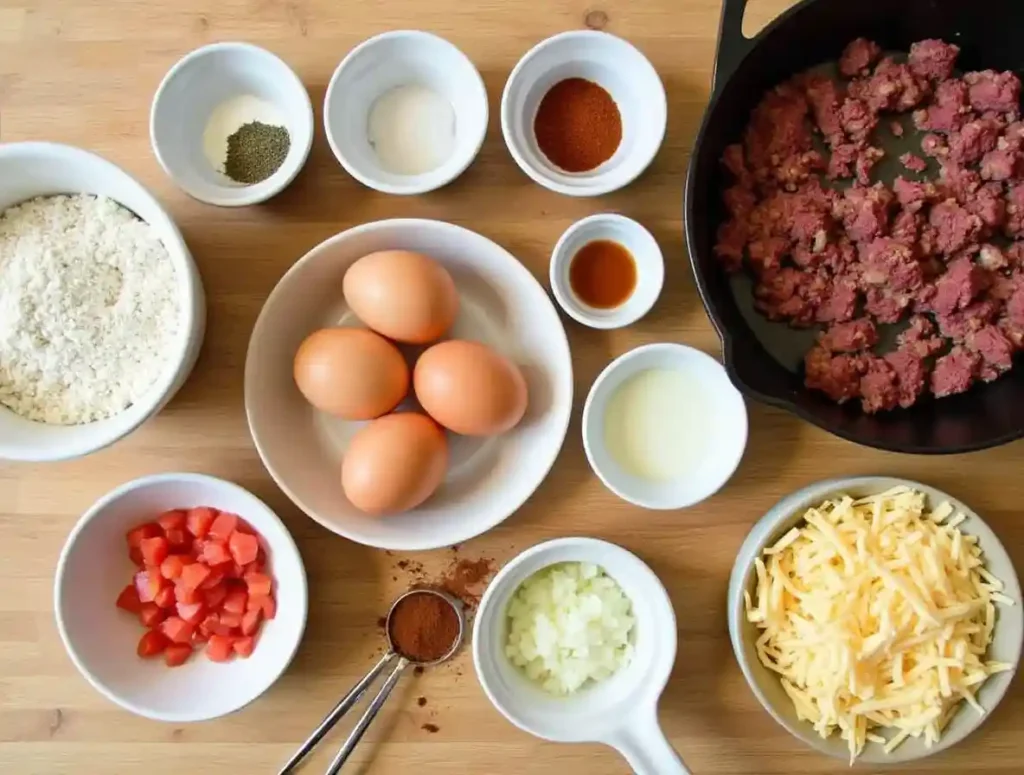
84, 72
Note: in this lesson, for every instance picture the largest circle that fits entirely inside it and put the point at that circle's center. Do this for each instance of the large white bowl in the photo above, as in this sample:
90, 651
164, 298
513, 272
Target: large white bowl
101, 639
29, 170
502, 305
1006, 640
621, 711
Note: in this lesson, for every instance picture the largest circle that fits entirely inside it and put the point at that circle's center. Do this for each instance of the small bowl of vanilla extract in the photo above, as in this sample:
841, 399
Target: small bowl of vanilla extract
607, 271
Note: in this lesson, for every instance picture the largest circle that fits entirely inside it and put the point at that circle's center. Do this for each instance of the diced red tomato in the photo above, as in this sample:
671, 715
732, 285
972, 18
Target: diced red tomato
244, 548
232, 620
212, 625
251, 621
171, 567
215, 596
219, 648
191, 612
179, 539
244, 527
137, 535
199, 519
258, 583
244, 646
269, 608
176, 629
235, 601
128, 600
264, 603
151, 643
215, 553
135, 555
215, 578
166, 598
177, 654
172, 520
194, 574
184, 594
151, 615
154, 550
254, 567
199, 638
223, 526
148, 584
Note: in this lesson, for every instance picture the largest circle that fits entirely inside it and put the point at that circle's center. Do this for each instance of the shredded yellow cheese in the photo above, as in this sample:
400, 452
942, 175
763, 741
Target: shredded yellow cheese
877, 616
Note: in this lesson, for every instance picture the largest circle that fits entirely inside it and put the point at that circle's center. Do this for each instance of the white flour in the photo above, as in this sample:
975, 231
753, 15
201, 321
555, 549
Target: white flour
89, 309
411, 129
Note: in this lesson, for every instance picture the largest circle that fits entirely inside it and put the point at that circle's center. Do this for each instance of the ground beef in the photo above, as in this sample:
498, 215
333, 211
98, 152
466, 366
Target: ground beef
929, 255
837, 376
955, 372
933, 59
989, 90
850, 337
913, 162
858, 56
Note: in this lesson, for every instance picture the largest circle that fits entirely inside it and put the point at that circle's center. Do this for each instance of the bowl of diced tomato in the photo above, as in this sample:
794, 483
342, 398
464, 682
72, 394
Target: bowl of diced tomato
180, 597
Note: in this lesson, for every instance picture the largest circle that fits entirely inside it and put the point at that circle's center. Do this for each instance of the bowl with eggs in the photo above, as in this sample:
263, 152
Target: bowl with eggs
408, 384
875, 618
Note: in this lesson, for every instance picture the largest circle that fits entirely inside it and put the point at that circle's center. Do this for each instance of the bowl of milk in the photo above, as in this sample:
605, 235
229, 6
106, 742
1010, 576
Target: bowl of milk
664, 427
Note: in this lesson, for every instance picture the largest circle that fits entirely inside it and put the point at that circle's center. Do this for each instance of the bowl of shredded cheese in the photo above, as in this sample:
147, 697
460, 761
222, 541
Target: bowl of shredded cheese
875, 618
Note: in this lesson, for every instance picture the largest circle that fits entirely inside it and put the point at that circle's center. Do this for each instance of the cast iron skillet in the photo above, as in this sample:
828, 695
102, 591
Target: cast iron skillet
763, 358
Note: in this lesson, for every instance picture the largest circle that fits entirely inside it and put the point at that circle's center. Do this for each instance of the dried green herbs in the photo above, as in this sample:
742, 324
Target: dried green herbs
255, 152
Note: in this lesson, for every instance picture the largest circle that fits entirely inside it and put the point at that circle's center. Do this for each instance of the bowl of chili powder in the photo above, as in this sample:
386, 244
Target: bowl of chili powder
583, 113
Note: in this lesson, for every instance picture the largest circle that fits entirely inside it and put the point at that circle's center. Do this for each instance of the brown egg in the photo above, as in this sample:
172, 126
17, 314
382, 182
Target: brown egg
394, 463
351, 372
405, 296
469, 388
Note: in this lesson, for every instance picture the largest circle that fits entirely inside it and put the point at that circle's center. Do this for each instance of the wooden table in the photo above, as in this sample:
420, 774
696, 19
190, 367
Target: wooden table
83, 72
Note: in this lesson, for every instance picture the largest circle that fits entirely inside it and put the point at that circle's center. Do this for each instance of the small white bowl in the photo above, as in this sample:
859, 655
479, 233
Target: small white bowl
101, 639
191, 91
650, 269
387, 61
29, 170
621, 711
617, 66
725, 446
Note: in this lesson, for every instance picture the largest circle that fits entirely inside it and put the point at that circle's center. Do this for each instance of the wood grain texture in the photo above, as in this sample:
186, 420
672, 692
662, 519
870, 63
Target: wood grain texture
83, 72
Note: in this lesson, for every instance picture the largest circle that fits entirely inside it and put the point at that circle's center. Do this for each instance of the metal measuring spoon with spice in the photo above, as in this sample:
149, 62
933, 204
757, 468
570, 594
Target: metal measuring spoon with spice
424, 627
578, 125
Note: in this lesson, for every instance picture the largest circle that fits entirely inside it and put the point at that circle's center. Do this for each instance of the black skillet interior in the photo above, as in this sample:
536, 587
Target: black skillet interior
814, 32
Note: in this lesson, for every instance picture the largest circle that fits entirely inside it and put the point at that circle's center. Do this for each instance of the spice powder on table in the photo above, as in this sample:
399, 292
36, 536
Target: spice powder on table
578, 126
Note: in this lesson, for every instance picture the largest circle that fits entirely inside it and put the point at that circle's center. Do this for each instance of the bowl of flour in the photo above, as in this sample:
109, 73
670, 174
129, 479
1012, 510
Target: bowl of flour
102, 311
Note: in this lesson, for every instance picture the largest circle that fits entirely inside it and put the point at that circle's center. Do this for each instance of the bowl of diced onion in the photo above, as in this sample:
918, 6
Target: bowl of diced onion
574, 641
876, 619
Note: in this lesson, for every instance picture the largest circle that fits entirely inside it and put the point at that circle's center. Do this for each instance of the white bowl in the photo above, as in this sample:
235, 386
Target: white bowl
382, 63
191, 91
101, 639
724, 449
622, 71
650, 269
1007, 635
621, 711
28, 170
501, 304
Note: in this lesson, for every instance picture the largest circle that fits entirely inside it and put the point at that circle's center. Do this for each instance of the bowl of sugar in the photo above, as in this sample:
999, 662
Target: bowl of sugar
663, 427
405, 112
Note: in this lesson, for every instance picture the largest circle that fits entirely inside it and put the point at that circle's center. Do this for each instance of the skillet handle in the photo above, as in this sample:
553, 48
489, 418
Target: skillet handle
733, 45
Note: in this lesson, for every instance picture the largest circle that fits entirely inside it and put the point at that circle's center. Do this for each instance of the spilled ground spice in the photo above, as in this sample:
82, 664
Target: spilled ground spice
432, 728
467, 580
421, 701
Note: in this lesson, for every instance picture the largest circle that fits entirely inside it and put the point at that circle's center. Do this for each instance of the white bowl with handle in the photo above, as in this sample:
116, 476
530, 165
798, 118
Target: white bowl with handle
101, 639
621, 711
29, 170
